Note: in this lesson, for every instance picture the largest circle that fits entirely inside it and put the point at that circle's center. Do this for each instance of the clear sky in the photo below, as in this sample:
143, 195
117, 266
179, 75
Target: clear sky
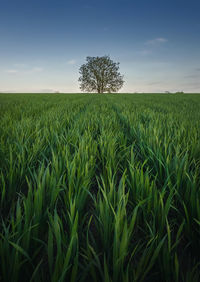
44, 42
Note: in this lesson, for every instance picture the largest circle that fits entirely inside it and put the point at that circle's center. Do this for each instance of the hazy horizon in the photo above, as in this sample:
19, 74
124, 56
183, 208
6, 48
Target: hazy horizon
43, 43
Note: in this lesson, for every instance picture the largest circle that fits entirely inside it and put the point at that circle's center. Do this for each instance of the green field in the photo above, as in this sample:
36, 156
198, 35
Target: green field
99, 187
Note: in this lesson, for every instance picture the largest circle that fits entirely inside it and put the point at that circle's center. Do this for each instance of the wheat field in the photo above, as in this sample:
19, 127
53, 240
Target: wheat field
100, 187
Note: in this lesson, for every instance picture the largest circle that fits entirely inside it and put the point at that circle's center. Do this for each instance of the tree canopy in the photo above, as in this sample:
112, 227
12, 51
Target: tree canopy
100, 74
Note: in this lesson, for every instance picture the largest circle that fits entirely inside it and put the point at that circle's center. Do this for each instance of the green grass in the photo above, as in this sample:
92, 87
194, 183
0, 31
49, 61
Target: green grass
99, 187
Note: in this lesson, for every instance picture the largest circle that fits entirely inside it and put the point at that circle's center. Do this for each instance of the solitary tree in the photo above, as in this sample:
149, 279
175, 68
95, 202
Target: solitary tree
100, 74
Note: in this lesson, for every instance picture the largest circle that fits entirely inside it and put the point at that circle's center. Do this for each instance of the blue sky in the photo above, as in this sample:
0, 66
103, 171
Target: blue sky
44, 42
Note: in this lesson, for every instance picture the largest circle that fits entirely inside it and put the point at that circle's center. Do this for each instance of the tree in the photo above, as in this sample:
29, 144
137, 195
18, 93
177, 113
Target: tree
100, 74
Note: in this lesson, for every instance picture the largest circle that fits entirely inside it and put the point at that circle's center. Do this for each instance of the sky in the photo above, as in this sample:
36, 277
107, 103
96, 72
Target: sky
43, 43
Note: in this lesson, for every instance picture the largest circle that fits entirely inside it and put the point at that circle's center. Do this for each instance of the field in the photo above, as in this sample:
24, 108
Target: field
100, 187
